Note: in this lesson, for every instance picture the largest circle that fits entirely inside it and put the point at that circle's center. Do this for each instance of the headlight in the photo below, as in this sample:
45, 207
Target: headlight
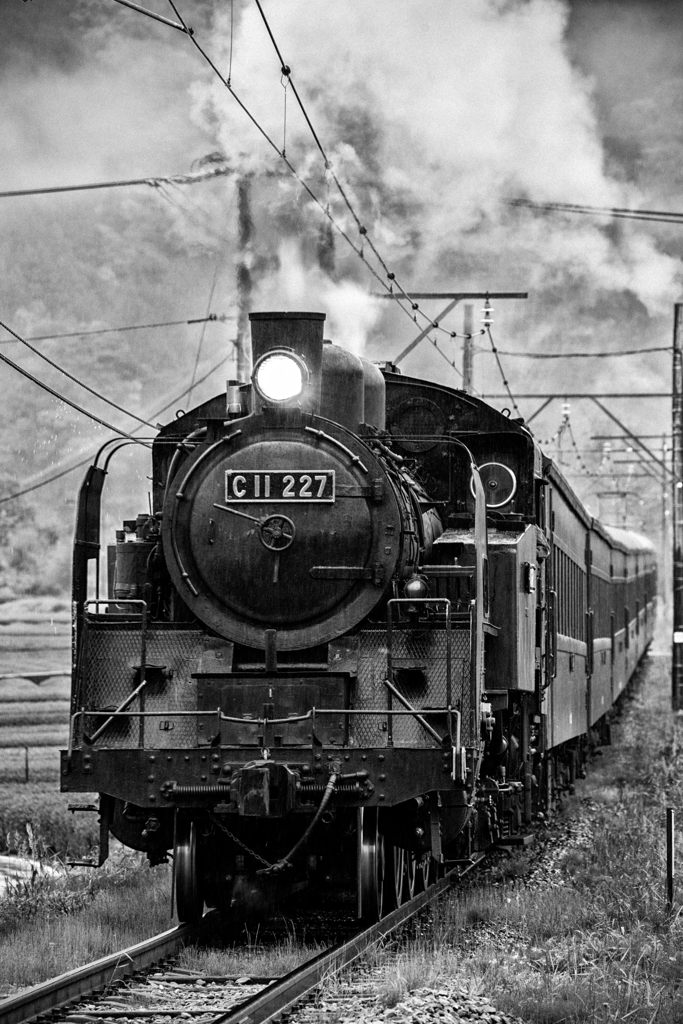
279, 376
499, 483
416, 588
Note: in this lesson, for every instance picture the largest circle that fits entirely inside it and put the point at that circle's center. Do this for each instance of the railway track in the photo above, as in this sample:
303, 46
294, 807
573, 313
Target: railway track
58, 992
199, 998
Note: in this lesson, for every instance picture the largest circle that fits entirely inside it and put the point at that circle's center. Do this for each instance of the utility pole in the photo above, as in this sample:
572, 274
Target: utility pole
245, 231
455, 298
664, 582
677, 509
467, 348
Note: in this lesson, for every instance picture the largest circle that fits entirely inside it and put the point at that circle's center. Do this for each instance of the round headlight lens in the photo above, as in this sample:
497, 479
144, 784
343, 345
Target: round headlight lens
279, 377
415, 588
499, 483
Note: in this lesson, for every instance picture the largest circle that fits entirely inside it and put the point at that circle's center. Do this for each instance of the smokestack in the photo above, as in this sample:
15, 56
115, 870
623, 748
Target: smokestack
326, 250
467, 349
244, 239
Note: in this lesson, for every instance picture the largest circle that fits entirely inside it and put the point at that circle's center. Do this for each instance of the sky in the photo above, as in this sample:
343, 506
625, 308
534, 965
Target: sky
435, 115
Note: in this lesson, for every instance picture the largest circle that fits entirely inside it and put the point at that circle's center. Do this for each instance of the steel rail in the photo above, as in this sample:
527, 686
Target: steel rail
279, 996
64, 989
288, 990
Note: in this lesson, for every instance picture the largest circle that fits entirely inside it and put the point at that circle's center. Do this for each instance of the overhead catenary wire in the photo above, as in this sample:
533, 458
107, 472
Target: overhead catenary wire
201, 337
62, 398
577, 453
502, 372
656, 216
76, 380
359, 250
218, 317
178, 204
153, 181
581, 355
443, 355
63, 472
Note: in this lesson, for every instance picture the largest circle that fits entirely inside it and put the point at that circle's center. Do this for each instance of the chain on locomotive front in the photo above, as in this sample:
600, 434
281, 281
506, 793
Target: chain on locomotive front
272, 687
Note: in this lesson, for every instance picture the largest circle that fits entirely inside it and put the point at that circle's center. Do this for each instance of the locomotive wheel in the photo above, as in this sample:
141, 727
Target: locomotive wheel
418, 873
412, 875
371, 865
189, 899
396, 877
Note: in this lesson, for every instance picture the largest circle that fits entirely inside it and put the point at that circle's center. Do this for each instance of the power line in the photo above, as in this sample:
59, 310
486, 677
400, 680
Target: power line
151, 14
658, 216
76, 380
152, 181
444, 356
62, 398
201, 337
622, 437
486, 322
362, 230
585, 394
44, 483
582, 355
70, 469
219, 318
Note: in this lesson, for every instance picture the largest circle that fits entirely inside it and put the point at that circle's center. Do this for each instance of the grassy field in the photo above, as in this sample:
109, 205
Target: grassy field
34, 637
60, 833
50, 925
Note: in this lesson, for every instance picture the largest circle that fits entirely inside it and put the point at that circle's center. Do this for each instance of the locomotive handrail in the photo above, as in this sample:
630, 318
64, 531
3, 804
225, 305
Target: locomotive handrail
313, 713
115, 600
333, 440
138, 691
102, 712
418, 717
119, 711
398, 601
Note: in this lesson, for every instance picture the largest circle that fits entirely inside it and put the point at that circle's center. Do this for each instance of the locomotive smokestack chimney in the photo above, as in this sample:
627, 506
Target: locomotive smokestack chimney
302, 333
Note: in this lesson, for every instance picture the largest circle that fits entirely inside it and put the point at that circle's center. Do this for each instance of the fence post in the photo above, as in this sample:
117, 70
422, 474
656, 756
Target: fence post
25, 746
670, 858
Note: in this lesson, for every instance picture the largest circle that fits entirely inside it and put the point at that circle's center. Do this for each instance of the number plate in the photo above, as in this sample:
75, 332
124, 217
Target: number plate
279, 485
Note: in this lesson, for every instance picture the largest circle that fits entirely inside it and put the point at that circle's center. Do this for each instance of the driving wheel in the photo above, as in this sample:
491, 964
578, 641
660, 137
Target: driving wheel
189, 900
371, 865
396, 876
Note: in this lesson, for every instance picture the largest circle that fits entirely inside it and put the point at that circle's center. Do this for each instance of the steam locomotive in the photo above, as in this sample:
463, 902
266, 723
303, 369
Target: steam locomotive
366, 631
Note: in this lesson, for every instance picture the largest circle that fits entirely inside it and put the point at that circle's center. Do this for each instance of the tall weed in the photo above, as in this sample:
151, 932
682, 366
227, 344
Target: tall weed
68, 836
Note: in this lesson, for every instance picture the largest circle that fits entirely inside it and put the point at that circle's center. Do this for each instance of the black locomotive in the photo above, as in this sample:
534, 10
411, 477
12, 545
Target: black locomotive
366, 630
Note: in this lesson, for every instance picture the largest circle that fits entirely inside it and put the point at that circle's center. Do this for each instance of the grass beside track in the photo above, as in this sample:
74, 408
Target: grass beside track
49, 925
588, 938
56, 831
261, 960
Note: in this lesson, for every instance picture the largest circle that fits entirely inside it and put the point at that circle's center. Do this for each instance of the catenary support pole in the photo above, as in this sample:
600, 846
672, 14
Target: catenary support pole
677, 509
244, 240
670, 857
664, 571
467, 349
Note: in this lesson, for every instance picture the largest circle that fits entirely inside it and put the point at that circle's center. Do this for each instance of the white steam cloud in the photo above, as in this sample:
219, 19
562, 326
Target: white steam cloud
351, 312
435, 115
